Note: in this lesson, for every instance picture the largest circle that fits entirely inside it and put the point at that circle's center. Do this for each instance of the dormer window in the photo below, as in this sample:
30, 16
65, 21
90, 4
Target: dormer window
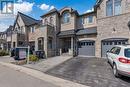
66, 17
109, 8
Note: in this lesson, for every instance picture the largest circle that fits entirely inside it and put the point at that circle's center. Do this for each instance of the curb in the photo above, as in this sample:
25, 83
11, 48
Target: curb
42, 76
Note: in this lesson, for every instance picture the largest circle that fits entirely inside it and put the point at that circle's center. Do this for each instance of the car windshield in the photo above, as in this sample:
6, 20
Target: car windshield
127, 52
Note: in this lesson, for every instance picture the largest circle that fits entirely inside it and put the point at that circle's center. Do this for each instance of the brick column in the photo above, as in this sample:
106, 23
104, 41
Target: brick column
98, 48
72, 46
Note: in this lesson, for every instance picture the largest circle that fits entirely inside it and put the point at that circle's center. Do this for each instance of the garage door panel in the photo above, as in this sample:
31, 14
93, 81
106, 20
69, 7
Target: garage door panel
108, 45
87, 48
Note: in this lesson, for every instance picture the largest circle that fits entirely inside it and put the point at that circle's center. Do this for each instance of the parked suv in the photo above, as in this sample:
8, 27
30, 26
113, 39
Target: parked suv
119, 58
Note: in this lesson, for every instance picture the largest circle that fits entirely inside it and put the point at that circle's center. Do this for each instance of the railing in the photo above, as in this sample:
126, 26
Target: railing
48, 23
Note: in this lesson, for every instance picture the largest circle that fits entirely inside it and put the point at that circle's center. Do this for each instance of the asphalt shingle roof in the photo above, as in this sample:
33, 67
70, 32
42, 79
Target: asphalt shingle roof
28, 20
9, 29
86, 31
51, 11
115, 39
79, 32
68, 32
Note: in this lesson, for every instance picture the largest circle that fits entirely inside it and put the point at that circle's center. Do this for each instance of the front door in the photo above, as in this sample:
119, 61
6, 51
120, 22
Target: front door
66, 45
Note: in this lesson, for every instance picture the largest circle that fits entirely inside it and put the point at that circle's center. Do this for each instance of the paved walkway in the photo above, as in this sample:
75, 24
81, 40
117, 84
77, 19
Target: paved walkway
6, 59
46, 64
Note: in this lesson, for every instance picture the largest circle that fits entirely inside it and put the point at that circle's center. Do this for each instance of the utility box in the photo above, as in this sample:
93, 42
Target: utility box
20, 53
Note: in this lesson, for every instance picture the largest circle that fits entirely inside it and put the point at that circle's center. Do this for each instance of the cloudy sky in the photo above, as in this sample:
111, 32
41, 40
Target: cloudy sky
36, 8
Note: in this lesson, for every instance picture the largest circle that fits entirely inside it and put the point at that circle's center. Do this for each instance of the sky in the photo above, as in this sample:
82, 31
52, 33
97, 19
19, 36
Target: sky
36, 8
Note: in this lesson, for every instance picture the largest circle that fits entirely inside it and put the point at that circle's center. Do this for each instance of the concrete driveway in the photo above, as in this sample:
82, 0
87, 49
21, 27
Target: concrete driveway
89, 71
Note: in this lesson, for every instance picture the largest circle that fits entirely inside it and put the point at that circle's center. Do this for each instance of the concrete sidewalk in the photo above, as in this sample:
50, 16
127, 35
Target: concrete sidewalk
7, 59
47, 78
46, 64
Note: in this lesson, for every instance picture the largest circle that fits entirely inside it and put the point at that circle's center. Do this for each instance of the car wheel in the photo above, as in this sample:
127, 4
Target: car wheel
115, 71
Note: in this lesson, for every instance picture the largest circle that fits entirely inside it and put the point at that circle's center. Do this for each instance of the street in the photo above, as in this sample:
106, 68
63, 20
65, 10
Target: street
12, 78
94, 72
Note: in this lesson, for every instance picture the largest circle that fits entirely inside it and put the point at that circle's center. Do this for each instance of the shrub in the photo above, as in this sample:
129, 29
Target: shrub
33, 58
3, 53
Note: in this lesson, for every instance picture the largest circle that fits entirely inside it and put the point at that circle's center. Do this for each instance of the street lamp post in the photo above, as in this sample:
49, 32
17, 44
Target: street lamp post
28, 55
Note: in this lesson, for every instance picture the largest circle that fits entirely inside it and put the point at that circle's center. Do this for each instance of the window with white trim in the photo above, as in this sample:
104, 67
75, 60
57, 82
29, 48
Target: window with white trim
66, 17
51, 20
117, 7
90, 19
109, 8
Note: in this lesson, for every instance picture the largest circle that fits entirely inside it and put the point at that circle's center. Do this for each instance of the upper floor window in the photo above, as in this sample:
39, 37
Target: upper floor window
117, 6
83, 20
90, 19
109, 8
45, 21
66, 17
50, 42
22, 29
51, 20
32, 29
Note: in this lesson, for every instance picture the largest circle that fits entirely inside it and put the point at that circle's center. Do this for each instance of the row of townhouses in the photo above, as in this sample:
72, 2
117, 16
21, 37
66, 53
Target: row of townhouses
66, 31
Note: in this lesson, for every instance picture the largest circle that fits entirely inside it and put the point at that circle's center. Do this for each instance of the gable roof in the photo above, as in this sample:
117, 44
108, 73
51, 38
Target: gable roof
27, 19
51, 11
9, 29
98, 2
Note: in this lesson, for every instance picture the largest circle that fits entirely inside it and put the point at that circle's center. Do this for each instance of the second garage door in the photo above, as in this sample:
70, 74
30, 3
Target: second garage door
86, 48
107, 44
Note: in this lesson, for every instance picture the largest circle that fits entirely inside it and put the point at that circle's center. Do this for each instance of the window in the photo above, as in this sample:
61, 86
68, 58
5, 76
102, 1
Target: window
66, 17
33, 29
45, 21
127, 52
90, 19
117, 50
117, 7
50, 42
40, 43
109, 8
14, 44
51, 20
83, 20
113, 50
22, 30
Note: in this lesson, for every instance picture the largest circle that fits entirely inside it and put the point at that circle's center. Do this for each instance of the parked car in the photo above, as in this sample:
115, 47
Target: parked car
119, 58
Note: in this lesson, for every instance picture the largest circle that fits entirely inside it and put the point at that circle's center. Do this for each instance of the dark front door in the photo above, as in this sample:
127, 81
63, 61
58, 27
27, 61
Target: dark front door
66, 45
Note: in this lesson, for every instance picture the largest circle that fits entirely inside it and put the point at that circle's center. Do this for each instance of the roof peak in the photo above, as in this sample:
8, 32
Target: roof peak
25, 15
